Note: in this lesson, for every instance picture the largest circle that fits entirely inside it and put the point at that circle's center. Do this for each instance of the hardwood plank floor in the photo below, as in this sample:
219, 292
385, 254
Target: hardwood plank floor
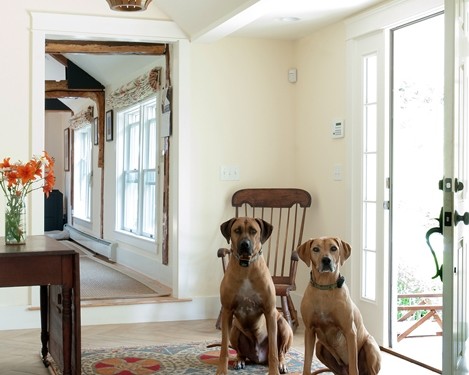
19, 352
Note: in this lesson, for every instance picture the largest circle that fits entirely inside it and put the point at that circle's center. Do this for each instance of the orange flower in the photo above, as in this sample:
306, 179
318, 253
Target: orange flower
16, 180
5, 164
12, 176
27, 172
49, 181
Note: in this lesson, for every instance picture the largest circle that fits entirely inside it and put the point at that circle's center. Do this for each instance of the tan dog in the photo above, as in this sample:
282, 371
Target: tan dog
330, 316
258, 331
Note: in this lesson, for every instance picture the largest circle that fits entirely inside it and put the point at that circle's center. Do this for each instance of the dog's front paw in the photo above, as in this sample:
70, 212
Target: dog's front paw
282, 368
239, 364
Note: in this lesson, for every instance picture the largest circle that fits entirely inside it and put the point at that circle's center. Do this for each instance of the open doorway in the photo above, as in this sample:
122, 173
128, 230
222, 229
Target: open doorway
416, 167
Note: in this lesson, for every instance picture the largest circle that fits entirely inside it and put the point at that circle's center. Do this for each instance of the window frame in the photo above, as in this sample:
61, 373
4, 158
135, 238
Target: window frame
77, 150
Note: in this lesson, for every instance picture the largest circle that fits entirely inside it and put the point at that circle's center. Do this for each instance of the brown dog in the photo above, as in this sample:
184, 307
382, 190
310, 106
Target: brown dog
258, 331
330, 316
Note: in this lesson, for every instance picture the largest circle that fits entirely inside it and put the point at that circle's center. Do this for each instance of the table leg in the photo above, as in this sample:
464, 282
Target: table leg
67, 329
44, 301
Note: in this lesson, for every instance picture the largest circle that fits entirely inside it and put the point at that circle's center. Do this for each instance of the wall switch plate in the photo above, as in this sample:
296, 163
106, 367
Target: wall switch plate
229, 173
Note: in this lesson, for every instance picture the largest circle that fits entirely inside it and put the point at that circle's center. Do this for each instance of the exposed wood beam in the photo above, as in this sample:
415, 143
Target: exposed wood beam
63, 85
104, 48
60, 58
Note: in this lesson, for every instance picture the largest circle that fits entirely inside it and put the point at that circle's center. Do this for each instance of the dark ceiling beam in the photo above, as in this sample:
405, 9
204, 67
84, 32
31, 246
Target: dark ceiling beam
54, 104
77, 78
104, 48
63, 85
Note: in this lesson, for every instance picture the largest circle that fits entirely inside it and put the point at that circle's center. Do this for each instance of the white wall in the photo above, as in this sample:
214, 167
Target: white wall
54, 144
242, 111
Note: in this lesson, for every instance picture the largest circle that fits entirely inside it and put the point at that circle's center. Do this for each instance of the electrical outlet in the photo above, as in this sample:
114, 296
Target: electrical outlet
229, 173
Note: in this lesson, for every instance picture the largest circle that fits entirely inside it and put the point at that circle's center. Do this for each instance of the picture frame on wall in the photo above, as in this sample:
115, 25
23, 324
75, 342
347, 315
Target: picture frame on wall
109, 126
66, 149
95, 132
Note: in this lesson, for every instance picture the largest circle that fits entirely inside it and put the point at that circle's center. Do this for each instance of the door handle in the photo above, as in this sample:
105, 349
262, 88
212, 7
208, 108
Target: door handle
438, 229
464, 218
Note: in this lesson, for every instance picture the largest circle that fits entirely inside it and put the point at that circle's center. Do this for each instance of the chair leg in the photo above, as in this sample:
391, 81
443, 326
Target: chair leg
286, 310
293, 313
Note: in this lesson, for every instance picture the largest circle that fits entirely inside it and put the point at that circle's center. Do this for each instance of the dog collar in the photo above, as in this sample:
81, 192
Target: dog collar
246, 262
338, 284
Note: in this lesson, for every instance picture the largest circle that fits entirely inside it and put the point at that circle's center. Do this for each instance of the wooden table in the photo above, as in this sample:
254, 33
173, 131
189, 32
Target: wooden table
55, 267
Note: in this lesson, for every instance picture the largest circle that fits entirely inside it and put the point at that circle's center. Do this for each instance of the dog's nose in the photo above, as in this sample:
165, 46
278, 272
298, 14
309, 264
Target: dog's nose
326, 261
245, 247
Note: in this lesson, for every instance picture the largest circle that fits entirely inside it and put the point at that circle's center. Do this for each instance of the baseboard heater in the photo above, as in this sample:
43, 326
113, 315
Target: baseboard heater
95, 244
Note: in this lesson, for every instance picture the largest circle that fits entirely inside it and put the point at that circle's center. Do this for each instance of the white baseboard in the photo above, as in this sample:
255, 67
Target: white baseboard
21, 317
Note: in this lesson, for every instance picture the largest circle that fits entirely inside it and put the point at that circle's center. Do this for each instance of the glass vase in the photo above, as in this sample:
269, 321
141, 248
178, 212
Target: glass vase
15, 221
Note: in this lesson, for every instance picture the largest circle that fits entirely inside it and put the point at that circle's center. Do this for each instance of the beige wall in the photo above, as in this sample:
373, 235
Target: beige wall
243, 112
320, 100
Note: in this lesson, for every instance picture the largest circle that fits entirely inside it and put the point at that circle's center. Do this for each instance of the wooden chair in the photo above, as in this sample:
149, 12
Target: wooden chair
285, 209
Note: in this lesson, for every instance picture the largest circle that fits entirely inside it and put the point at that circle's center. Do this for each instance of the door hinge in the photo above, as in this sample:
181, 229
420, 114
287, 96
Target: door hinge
387, 205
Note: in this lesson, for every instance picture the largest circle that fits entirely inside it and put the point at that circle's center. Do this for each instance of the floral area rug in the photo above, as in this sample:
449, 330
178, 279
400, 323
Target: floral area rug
177, 359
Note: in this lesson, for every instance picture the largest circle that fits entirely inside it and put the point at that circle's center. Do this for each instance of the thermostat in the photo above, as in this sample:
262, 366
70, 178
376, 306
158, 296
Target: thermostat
292, 75
338, 129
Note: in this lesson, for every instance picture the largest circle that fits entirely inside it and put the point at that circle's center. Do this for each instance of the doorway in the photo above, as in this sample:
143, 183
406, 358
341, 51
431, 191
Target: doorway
416, 145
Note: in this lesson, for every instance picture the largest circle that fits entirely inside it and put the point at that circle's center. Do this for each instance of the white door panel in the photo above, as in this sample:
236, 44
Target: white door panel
455, 330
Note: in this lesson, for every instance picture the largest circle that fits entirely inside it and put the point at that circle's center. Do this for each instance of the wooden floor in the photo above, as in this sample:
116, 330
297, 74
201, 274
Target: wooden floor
19, 350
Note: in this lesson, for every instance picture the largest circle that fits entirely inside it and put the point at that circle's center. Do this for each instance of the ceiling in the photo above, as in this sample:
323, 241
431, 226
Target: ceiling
210, 20
206, 21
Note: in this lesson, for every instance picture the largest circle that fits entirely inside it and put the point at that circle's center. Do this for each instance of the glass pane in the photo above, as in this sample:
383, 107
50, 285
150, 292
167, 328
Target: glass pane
370, 76
369, 275
151, 145
133, 146
369, 177
149, 203
369, 228
82, 173
130, 213
371, 128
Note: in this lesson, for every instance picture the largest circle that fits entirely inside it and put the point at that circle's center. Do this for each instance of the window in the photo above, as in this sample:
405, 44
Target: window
137, 170
369, 175
82, 155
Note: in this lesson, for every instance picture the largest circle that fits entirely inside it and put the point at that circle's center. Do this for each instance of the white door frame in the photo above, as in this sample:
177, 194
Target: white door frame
378, 22
68, 26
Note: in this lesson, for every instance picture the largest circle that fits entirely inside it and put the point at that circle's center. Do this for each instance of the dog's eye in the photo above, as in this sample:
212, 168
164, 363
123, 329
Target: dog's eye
252, 231
316, 249
333, 248
237, 230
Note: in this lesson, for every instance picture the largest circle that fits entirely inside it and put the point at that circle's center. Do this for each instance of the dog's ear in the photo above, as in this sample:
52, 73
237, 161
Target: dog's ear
345, 250
266, 229
304, 251
225, 229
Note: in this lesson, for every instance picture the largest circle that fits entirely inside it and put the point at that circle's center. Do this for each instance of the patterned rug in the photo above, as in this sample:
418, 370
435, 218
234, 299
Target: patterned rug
178, 359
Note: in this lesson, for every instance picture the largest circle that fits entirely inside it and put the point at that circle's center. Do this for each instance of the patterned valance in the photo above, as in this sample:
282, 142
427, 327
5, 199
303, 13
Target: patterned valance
133, 92
82, 118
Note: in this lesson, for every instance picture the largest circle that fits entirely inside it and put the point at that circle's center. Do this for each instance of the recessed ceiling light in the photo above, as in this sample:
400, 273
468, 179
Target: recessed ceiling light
288, 19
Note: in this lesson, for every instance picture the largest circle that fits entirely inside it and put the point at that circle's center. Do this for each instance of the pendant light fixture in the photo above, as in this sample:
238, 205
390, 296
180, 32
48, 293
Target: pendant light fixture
128, 5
